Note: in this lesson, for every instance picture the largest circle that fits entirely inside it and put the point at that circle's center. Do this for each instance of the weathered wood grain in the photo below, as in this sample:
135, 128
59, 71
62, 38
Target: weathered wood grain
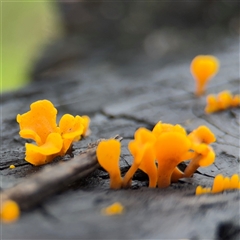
121, 96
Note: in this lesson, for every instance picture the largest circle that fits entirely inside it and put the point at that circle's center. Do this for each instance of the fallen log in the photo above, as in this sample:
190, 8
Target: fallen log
53, 179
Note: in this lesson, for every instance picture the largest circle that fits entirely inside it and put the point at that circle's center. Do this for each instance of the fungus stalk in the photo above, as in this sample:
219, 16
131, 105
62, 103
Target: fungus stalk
108, 155
204, 156
203, 68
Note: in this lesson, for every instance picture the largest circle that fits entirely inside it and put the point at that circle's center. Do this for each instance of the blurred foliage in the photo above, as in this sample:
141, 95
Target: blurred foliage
25, 29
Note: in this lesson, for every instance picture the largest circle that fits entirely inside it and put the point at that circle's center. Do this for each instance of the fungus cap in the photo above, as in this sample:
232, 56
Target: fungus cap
203, 68
202, 135
160, 128
171, 148
108, 155
224, 100
39, 122
143, 156
218, 184
71, 127
206, 155
212, 104
38, 155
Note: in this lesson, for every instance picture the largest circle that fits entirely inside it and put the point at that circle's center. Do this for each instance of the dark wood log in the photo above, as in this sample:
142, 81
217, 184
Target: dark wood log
53, 179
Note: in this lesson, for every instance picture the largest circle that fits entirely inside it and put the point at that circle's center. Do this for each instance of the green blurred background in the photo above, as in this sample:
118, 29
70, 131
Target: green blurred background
26, 27
39, 37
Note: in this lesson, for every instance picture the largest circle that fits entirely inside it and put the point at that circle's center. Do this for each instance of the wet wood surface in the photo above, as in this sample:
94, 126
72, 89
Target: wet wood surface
121, 94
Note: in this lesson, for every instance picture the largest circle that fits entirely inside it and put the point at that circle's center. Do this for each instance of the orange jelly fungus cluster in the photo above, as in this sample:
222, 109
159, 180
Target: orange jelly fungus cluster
158, 153
221, 101
221, 184
9, 211
203, 68
39, 124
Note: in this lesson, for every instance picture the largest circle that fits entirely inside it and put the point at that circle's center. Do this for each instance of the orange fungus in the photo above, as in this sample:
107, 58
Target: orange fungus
203, 68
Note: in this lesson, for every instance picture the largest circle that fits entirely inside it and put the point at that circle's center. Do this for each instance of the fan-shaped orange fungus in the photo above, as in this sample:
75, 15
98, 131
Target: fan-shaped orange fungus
71, 129
39, 155
204, 155
160, 128
221, 183
202, 134
108, 155
171, 149
144, 157
222, 101
114, 209
203, 68
9, 212
39, 124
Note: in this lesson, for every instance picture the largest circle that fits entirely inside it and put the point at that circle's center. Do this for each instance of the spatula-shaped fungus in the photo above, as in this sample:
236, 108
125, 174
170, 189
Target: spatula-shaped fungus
204, 155
71, 129
218, 184
171, 149
108, 155
203, 68
39, 122
202, 134
234, 181
143, 157
161, 128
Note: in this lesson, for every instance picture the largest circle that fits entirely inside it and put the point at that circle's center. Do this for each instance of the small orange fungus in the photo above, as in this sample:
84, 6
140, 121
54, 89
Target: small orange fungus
108, 155
222, 101
203, 68
202, 134
144, 157
166, 127
39, 124
12, 166
220, 184
114, 209
171, 149
10, 211
160, 128
158, 153
203, 155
